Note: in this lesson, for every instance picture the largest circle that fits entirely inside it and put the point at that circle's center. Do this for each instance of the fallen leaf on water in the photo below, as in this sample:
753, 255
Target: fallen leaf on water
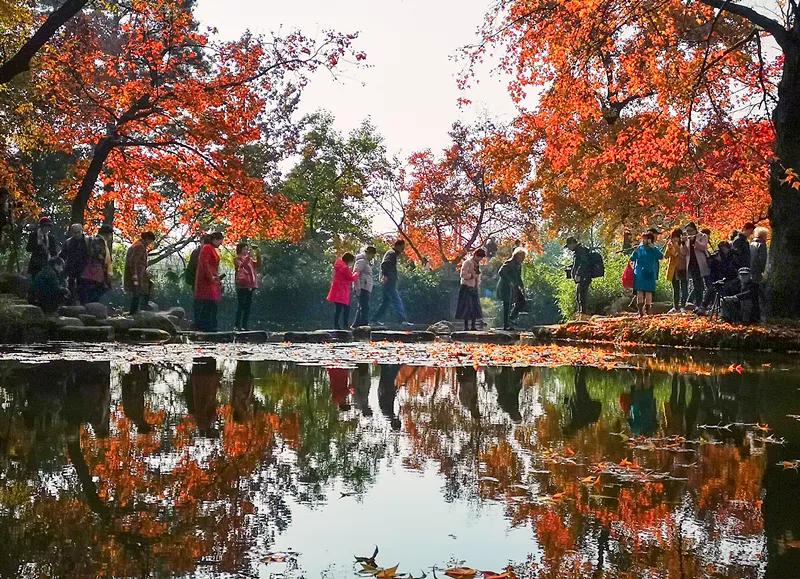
387, 573
368, 561
461, 572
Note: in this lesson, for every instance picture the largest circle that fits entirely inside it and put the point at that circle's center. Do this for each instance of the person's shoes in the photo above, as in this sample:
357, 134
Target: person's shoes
673, 311
377, 324
406, 324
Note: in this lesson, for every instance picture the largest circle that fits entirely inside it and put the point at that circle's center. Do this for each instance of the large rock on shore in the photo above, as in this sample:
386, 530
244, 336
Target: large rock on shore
27, 313
60, 321
72, 311
15, 284
154, 320
96, 309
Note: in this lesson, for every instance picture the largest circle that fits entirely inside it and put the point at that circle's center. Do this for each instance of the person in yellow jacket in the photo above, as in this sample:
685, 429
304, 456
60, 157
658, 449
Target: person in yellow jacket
675, 252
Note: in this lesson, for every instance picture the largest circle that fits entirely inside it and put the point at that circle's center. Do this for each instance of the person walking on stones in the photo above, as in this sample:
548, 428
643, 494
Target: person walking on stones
645, 260
510, 289
389, 280
208, 285
364, 285
741, 245
696, 244
758, 261
136, 279
675, 252
94, 280
41, 245
75, 255
246, 279
48, 290
469, 301
339, 294
581, 275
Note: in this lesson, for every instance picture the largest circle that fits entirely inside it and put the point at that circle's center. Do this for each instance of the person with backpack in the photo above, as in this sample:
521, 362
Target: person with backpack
581, 272
645, 270
246, 280
339, 294
208, 284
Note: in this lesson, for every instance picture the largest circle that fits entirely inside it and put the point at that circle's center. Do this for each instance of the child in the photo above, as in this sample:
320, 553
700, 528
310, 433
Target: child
339, 294
645, 261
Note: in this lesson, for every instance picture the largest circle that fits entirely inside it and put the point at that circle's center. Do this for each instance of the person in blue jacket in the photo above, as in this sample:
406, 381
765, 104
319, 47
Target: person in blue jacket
645, 260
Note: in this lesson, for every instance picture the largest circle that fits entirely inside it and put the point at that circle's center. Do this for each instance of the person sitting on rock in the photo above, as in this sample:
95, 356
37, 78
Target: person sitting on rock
48, 290
742, 307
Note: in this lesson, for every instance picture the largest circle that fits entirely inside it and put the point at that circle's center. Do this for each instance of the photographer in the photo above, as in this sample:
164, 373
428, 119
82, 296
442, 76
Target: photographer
742, 307
580, 274
723, 275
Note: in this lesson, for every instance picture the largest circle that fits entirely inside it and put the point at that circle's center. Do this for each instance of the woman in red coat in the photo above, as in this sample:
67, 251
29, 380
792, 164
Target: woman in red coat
208, 285
342, 282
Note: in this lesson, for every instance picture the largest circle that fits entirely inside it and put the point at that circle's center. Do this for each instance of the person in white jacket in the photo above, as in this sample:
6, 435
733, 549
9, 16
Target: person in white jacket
363, 285
469, 302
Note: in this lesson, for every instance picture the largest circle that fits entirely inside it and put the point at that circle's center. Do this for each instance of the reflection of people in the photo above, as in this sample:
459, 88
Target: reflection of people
583, 409
468, 389
509, 385
134, 384
201, 396
242, 391
89, 396
682, 415
387, 392
340, 386
642, 416
363, 384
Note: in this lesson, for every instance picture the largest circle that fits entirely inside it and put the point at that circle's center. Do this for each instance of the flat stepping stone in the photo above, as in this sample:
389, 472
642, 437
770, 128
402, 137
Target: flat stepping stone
362, 333
251, 337
85, 334
147, 335
316, 337
486, 337
215, 337
398, 336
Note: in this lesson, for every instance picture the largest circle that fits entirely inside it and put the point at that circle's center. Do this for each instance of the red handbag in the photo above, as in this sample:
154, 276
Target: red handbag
94, 271
628, 277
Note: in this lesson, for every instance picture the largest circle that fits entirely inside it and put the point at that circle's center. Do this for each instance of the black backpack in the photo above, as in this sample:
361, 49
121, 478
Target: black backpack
191, 268
597, 268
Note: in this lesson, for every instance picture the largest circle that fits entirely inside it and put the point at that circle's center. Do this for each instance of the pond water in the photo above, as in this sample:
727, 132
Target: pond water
226, 462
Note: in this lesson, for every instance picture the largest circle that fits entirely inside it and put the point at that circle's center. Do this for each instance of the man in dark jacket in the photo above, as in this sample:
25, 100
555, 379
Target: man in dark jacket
389, 278
742, 307
722, 265
75, 254
581, 274
741, 245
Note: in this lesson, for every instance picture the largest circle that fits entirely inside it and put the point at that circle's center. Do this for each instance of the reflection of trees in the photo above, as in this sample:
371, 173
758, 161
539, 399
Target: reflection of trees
153, 489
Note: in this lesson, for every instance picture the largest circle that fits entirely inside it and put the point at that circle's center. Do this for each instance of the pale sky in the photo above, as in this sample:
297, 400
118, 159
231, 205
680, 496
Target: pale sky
410, 91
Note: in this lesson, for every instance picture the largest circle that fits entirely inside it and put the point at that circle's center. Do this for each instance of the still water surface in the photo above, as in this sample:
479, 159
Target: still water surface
226, 467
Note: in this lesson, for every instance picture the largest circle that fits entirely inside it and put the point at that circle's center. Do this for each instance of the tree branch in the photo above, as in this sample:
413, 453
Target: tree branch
772, 26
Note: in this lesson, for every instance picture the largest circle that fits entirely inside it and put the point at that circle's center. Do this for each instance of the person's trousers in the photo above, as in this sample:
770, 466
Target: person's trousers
391, 297
680, 290
343, 311
582, 296
510, 312
206, 315
244, 300
698, 287
362, 315
138, 300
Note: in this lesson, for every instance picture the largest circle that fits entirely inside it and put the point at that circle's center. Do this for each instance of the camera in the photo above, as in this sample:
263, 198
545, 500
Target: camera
568, 272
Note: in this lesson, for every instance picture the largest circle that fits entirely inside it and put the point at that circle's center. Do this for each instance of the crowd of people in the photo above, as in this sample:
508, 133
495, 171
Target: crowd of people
727, 282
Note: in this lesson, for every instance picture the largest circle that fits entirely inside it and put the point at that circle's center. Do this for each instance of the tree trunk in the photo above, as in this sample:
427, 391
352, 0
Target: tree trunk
783, 279
21, 61
84, 194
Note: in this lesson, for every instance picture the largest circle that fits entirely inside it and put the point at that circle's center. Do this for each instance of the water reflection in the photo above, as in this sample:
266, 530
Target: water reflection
159, 469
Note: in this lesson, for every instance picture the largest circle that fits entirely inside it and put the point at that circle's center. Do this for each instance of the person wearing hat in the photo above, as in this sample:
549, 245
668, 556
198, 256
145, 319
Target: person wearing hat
581, 274
41, 245
742, 307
